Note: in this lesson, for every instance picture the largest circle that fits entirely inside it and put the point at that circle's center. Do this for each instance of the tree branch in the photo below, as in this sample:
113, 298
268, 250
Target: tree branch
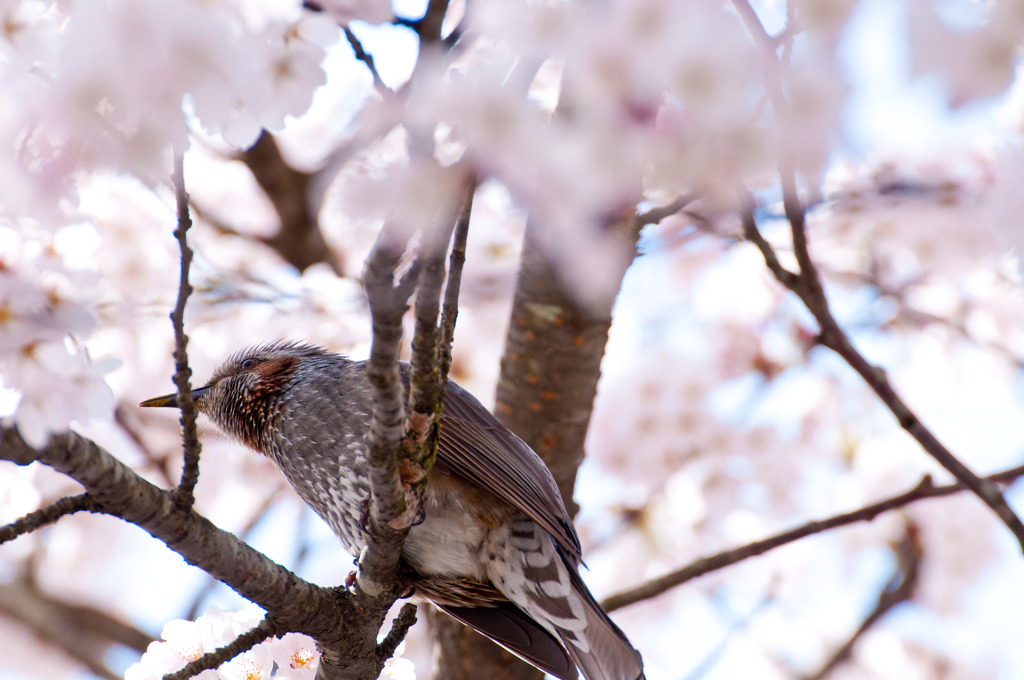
808, 287
552, 358
296, 200
399, 628
924, 489
117, 490
450, 310
431, 344
426, 387
549, 373
184, 494
658, 213
428, 27
400, 448
47, 515
379, 562
753, 234
344, 624
363, 56
899, 588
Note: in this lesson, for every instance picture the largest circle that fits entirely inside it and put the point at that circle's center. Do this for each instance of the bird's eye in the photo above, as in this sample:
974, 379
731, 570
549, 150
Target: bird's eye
248, 363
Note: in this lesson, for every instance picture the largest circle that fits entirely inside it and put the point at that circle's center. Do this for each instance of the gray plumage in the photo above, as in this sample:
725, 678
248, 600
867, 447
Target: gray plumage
496, 549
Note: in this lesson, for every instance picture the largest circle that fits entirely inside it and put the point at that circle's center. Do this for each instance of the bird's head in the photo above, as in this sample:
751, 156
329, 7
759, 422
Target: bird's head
240, 396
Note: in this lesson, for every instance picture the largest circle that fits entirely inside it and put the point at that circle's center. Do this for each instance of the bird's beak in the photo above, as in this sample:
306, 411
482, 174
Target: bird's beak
171, 400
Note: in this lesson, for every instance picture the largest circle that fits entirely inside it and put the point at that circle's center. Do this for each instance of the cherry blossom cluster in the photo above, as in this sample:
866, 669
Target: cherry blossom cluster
292, 656
46, 306
94, 84
92, 87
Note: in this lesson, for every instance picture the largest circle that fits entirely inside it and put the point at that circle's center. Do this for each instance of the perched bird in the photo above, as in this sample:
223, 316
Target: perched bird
496, 548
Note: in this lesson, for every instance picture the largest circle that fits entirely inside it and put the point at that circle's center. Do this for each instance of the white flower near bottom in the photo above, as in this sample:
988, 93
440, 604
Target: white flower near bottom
296, 656
290, 657
398, 669
186, 641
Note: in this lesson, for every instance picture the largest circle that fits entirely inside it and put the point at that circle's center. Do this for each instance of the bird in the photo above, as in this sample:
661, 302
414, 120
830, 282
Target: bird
494, 548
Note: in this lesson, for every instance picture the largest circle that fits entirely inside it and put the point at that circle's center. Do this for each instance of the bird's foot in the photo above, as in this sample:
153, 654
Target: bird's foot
408, 588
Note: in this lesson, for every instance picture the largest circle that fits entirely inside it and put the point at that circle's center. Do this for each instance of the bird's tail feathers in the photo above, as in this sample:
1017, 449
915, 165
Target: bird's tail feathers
606, 653
511, 628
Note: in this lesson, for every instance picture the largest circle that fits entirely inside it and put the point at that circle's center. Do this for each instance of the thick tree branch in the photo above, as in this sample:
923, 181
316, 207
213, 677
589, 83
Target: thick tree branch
808, 287
184, 495
428, 27
379, 562
344, 624
117, 490
296, 201
552, 358
924, 489
401, 448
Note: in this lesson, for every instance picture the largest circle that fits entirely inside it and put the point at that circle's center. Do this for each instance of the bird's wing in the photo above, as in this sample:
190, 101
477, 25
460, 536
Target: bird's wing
476, 447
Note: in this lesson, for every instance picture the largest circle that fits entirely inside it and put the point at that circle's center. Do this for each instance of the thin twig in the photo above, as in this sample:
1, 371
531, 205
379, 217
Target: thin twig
808, 287
703, 667
399, 628
365, 57
427, 381
184, 494
425, 385
658, 213
450, 310
898, 589
924, 489
46, 515
753, 234
243, 643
